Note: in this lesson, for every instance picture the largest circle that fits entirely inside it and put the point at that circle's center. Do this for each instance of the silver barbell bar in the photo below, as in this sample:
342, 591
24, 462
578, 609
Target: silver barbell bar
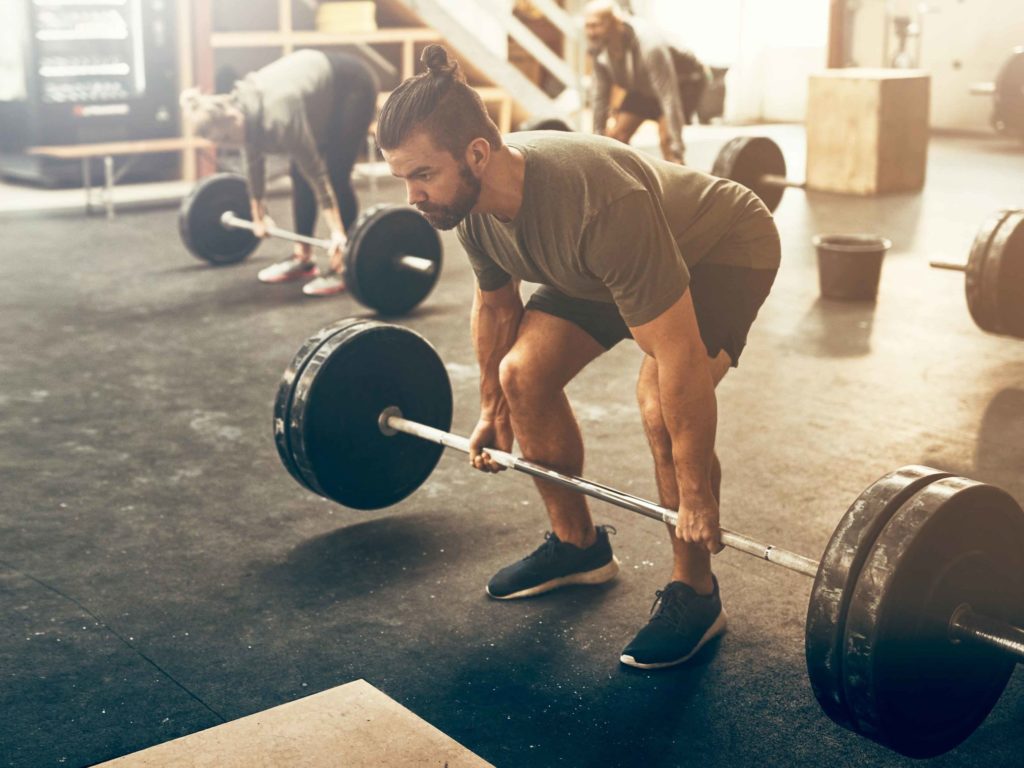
964, 624
406, 261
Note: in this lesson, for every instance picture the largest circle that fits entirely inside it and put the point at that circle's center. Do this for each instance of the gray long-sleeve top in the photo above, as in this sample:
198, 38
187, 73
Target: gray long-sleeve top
651, 65
287, 105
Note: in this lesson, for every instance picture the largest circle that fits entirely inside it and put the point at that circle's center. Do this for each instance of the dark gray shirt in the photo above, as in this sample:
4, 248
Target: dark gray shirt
651, 65
602, 221
287, 105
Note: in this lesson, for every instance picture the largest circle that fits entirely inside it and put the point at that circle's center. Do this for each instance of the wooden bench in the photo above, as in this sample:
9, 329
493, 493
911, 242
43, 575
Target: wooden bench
108, 151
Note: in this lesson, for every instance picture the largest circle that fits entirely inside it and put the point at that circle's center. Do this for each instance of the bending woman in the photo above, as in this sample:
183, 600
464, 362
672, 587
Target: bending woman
316, 108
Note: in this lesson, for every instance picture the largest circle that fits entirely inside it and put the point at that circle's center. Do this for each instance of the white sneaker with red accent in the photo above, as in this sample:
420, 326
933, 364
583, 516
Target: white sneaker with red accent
287, 270
325, 285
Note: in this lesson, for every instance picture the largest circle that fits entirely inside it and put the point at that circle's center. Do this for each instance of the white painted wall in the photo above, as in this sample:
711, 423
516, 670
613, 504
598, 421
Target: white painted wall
962, 42
771, 47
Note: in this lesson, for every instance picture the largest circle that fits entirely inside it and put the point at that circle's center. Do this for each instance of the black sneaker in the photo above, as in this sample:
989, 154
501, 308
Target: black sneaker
556, 564
681, 623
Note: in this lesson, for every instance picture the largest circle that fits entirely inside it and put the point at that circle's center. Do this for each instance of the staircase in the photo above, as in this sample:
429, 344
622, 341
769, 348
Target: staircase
485, 40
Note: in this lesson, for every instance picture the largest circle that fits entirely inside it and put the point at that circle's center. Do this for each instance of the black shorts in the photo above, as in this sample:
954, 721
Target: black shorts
649, 108
725, 299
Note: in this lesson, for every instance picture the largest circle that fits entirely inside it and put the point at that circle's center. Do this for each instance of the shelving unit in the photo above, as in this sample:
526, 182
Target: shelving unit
286, 39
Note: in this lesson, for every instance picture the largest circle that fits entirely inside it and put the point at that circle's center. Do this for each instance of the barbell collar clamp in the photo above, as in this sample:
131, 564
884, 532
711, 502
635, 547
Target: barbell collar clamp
773, 180
965, 624
392, 422
416, 264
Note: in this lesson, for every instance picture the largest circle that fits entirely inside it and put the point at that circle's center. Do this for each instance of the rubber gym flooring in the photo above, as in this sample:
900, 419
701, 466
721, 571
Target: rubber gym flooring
161, 573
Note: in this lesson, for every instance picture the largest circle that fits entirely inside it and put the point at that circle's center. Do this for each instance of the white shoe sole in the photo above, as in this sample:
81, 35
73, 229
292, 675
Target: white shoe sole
716, 628
606, 572
276, 279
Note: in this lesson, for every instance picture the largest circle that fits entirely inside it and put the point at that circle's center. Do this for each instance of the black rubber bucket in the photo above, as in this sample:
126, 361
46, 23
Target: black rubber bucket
849, 266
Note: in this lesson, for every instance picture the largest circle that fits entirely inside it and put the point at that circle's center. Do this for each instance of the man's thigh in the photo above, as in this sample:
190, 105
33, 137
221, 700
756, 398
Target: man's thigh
553, 350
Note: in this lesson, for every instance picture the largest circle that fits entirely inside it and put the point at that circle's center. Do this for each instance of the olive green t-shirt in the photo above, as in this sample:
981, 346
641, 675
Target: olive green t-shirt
604, 222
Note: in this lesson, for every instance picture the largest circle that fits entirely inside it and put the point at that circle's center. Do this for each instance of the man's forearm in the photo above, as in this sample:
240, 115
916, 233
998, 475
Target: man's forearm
689, 407
672, 106
600, 97
494, 326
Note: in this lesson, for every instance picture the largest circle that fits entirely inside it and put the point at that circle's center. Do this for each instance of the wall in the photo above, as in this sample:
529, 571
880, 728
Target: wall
770, 47
961, 42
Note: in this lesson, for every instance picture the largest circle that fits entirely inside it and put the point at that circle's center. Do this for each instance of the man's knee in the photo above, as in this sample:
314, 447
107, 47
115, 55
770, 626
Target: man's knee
519, 380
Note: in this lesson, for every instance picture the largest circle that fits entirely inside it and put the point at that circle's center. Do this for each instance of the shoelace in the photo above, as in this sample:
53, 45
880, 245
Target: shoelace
548, 548
673, 609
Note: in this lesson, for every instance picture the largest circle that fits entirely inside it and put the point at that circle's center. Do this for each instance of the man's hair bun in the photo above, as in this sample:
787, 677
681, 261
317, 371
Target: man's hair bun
435, 58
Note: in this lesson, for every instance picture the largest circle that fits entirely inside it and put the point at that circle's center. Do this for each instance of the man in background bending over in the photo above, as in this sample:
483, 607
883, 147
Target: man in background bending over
662, 81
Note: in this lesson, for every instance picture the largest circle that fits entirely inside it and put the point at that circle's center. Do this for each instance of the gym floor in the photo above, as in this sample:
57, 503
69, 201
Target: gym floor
161, 573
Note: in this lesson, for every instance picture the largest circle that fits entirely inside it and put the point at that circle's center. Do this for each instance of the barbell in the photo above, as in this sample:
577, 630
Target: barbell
392, 258
911, 629
756, 162
994, 279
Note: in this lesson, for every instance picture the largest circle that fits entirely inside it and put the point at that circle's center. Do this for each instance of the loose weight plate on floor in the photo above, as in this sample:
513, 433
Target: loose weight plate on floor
747, 159
286, 389
837, 574
994, 281
908, 685
1008, 98
335, 438
199, 220
373, 272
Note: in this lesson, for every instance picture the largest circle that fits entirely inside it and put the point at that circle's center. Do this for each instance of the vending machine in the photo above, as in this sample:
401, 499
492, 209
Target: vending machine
83, 71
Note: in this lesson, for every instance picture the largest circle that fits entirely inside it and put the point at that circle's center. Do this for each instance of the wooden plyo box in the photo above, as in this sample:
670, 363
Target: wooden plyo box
867, 130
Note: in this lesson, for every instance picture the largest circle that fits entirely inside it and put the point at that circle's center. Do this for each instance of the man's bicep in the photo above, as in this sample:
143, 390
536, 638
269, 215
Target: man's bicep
661, 70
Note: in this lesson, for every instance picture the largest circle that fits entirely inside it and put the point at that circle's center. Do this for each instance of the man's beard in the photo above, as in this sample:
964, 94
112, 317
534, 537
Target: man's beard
466, 196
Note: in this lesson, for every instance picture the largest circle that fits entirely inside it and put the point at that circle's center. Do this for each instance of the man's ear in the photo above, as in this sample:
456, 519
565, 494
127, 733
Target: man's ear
478, 155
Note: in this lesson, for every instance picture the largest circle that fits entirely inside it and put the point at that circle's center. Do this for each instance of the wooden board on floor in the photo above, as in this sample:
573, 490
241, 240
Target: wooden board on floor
353, 725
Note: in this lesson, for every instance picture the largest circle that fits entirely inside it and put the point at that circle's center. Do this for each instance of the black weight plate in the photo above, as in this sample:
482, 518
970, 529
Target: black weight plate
372, 273
837, 574
1004, 276
908, 686
1008, 98
335, 438
546, 124
285, 390
199, 220
747, 159
981, 281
